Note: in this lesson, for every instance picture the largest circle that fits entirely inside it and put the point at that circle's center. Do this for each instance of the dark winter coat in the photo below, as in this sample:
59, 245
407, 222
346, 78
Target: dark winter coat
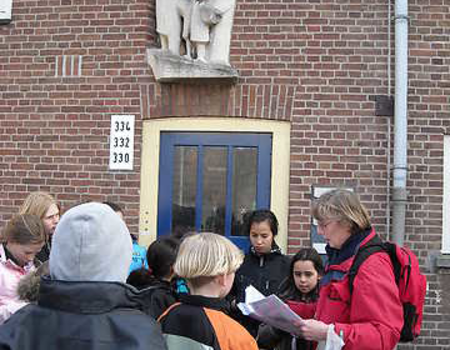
197, 322
44, 254
265, 273
162, 296
82, 315
304, 305
272, 338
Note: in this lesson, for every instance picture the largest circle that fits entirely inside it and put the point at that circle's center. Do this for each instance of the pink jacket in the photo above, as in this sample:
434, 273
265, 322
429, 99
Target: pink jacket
372, 317
10, 274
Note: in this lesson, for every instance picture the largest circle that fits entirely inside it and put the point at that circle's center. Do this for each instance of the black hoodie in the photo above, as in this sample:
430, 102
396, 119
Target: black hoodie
83, 315
265, 273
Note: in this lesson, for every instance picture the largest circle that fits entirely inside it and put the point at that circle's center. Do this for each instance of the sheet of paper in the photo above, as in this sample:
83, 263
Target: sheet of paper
270, 310
252, 294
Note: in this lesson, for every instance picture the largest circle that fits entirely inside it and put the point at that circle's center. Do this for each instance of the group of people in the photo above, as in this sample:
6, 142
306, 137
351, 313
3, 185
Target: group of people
184, 294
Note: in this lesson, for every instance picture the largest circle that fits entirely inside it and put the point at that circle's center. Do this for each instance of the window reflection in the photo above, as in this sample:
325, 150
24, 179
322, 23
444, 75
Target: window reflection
184, 189
244, 187
214, 189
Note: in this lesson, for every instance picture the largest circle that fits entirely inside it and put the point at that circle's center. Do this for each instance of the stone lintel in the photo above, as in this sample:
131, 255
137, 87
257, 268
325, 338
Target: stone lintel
169, 68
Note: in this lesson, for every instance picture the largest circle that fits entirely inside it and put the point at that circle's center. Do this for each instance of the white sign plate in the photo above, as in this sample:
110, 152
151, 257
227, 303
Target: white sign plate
5, 11
121, 143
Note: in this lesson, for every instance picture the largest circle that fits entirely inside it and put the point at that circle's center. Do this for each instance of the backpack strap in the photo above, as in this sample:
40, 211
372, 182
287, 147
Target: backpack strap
391, 249
374, 245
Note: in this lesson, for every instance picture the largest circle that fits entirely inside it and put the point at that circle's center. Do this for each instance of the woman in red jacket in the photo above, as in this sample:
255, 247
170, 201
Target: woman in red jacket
372, 316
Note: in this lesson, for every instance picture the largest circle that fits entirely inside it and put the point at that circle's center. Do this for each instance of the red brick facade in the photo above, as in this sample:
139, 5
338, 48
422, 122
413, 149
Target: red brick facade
67, 65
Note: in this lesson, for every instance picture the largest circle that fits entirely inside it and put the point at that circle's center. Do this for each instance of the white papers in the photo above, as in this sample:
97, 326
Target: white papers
270, 310
252, 294
333, 342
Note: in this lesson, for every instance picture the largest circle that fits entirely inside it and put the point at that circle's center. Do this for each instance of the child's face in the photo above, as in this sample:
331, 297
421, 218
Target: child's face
261, 237
228, 283
24, 253
51, 219
305, 276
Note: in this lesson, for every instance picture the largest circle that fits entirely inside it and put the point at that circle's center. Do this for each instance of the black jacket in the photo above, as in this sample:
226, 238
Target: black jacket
272, 338
199, 323
161, 296
82, 315
44, 254
265, 273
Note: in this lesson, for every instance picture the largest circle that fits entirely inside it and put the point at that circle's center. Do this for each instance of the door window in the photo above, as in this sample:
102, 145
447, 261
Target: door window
208, 182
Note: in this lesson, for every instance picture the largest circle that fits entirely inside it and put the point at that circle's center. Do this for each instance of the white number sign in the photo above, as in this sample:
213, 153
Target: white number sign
121, 147
5, 11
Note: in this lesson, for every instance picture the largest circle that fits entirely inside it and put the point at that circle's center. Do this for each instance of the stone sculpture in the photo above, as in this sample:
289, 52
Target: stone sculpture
172, 24
204, 26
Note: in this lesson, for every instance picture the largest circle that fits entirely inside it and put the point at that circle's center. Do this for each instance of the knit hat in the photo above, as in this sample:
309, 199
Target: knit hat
91, 243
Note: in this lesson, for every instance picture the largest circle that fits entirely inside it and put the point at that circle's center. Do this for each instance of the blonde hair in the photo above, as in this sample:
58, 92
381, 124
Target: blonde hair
37, 203
344, 206
207, 254
24, 229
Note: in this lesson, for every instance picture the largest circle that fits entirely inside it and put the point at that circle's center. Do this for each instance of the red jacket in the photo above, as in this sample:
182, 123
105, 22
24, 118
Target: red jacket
372, 317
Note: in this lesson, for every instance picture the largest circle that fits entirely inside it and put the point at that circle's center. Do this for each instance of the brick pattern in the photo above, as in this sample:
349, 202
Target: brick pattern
65, 68
336, 54
318, 64
429, 119
248, 101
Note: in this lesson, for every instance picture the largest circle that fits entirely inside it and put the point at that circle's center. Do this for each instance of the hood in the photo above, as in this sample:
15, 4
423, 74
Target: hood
91, 243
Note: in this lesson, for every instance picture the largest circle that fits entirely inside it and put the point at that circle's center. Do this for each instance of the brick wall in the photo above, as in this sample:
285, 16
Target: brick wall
67, 66
429, 119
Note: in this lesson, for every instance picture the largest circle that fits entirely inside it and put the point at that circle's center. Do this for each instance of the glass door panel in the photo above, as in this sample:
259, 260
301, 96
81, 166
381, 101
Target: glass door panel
209, 181
245, 162
214, 189
184, 186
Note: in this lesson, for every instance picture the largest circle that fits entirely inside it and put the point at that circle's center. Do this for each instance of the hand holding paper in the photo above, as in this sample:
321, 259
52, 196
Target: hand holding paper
270, 310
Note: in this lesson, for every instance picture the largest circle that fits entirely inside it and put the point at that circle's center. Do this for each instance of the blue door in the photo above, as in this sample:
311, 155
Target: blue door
209, 181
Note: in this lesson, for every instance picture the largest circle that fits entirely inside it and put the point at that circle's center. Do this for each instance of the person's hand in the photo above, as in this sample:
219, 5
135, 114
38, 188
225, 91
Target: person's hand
314, 330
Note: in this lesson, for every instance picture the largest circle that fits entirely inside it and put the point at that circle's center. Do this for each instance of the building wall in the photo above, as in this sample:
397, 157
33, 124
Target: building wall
67, 66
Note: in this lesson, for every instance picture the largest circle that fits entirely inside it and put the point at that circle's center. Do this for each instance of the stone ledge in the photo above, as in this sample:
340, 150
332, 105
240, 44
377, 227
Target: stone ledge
169, 68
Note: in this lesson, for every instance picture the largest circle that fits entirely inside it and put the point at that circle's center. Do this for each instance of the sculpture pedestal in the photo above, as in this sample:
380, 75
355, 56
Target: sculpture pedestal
169, 68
